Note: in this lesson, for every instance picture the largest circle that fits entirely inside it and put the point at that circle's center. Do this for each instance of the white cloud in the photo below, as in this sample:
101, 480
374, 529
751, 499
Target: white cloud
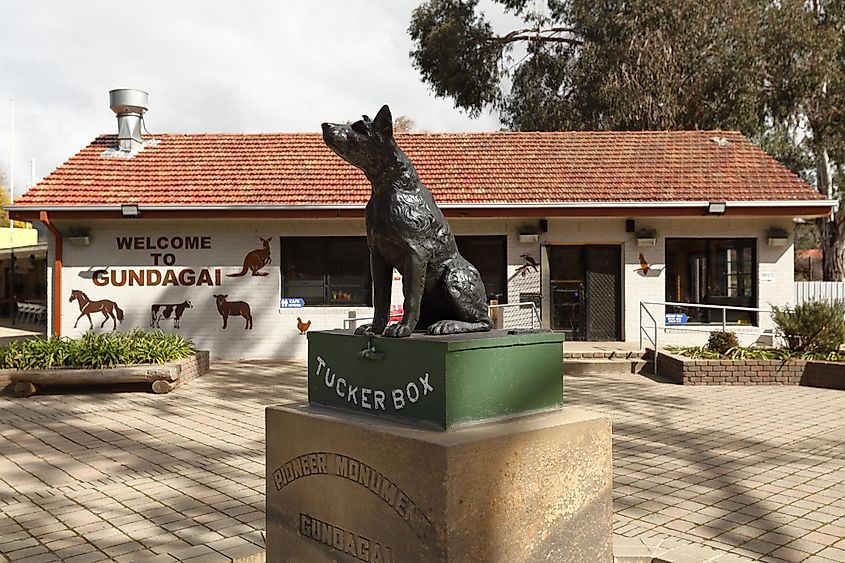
223, 66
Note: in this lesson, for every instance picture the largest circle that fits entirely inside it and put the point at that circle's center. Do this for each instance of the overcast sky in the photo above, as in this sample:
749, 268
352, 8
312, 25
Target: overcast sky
209, 66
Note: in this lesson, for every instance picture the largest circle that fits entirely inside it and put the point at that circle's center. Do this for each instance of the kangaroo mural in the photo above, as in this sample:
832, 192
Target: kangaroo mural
86, 307
255, 260
234, 308
164, 310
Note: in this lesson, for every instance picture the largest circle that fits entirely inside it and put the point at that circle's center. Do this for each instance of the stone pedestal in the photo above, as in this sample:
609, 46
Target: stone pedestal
345, 487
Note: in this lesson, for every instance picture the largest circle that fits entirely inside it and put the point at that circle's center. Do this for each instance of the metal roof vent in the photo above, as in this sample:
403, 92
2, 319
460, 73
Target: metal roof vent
720, 141
129, 105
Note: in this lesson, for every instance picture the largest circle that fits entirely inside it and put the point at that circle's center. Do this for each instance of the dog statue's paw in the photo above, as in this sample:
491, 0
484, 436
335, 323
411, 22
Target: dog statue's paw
447, 327
369, 328
398, 330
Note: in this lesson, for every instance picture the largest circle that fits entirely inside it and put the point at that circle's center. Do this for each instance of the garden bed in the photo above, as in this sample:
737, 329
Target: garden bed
162, 360
812, 373
162, 378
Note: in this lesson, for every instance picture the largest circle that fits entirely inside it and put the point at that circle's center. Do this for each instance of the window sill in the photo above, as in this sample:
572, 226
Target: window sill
326, 309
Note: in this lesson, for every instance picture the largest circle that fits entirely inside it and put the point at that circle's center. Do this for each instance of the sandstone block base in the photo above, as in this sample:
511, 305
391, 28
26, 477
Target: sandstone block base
343, 487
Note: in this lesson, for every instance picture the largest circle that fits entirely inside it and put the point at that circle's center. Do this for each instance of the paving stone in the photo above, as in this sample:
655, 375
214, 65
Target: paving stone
88, 558
42, 558
162, 558
833, 553
26, 552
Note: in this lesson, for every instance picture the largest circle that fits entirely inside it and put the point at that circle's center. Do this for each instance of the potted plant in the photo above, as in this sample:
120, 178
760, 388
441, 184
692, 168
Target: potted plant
78, 236
528, 235
777, 236
646, 236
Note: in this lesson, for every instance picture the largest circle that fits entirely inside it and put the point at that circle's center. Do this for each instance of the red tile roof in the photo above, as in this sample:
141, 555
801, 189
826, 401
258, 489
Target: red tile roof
459, 168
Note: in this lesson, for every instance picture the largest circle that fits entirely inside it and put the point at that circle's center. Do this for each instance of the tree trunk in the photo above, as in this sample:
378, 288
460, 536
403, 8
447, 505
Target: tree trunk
831, 229
833, 248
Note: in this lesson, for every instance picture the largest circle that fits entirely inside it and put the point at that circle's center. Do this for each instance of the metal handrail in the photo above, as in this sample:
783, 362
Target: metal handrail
724, 308
689, 328
534, 313
704, 306
643, 330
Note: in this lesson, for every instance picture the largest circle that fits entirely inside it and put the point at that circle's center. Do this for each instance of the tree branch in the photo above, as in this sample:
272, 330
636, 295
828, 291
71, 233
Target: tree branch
538, 35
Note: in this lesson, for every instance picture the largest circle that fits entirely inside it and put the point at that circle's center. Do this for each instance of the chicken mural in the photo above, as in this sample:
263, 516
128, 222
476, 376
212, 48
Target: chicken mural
303, 327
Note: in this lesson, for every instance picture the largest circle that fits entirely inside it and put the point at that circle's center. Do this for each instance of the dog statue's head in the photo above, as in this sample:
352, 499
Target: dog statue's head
367, 143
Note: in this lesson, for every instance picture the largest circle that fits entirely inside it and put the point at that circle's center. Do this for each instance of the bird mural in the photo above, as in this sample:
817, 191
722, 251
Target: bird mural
303, 327
645, 267
530, 262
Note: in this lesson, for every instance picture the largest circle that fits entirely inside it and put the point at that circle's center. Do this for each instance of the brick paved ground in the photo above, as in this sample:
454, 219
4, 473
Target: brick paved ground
125, 476
758, 471
755, 471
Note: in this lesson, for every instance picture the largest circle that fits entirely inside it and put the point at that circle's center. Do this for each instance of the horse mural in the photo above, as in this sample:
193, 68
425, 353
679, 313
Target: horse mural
87, 306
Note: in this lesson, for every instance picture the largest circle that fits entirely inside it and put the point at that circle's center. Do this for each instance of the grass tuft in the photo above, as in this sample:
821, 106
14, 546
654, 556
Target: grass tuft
96, 351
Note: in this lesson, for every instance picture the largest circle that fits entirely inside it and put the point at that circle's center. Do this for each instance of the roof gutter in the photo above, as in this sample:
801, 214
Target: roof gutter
822, 203
57, 273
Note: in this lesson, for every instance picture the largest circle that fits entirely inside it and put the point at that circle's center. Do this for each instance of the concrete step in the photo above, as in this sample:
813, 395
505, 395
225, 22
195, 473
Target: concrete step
604, 366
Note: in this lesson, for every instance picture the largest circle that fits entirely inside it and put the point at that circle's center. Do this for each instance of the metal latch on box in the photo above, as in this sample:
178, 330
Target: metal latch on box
370, 352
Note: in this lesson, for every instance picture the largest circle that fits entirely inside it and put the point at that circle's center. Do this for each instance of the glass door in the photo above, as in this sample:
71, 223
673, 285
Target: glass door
566, 273
586, 291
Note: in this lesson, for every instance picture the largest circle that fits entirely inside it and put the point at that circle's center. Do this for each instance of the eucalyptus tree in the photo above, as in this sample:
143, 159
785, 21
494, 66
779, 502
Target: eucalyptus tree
773, 69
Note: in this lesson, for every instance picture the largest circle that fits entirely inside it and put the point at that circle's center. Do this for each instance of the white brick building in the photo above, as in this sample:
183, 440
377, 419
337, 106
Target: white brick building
283, 208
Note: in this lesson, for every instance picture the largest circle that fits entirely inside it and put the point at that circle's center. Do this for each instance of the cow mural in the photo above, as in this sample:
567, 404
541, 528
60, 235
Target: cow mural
166, 310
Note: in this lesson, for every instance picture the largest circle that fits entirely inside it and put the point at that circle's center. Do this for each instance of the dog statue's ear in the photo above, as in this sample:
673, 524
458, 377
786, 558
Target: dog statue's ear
384, 121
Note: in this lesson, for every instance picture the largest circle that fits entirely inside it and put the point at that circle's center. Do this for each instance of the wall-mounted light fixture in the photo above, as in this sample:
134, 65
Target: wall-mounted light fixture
717, 208
130, 211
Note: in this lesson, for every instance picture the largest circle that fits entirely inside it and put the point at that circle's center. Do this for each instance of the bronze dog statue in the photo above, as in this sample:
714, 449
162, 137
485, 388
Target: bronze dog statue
407, 231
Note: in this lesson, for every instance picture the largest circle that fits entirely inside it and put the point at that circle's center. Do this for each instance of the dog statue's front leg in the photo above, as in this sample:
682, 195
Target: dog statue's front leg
413, 284
382, 280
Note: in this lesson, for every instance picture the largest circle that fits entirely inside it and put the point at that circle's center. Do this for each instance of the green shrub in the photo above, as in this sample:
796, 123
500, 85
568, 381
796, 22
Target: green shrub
722, 341
814, 326
754, 353
777, 232
695, 352
97, 351
646, 232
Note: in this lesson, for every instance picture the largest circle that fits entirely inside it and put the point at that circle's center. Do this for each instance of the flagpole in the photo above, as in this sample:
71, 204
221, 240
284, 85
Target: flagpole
11, 163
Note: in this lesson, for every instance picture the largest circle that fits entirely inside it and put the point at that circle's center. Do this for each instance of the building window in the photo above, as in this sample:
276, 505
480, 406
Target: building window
327, 270
489, 255
715, 272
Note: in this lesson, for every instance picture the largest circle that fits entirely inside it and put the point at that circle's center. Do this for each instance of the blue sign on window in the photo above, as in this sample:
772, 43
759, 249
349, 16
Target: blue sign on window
292, 303
676, 318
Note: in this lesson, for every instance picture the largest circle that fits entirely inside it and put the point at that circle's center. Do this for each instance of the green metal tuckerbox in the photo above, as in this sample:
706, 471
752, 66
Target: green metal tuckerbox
436, 381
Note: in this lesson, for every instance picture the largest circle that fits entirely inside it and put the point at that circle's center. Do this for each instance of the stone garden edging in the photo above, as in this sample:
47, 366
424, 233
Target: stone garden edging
163, 378
811, 373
